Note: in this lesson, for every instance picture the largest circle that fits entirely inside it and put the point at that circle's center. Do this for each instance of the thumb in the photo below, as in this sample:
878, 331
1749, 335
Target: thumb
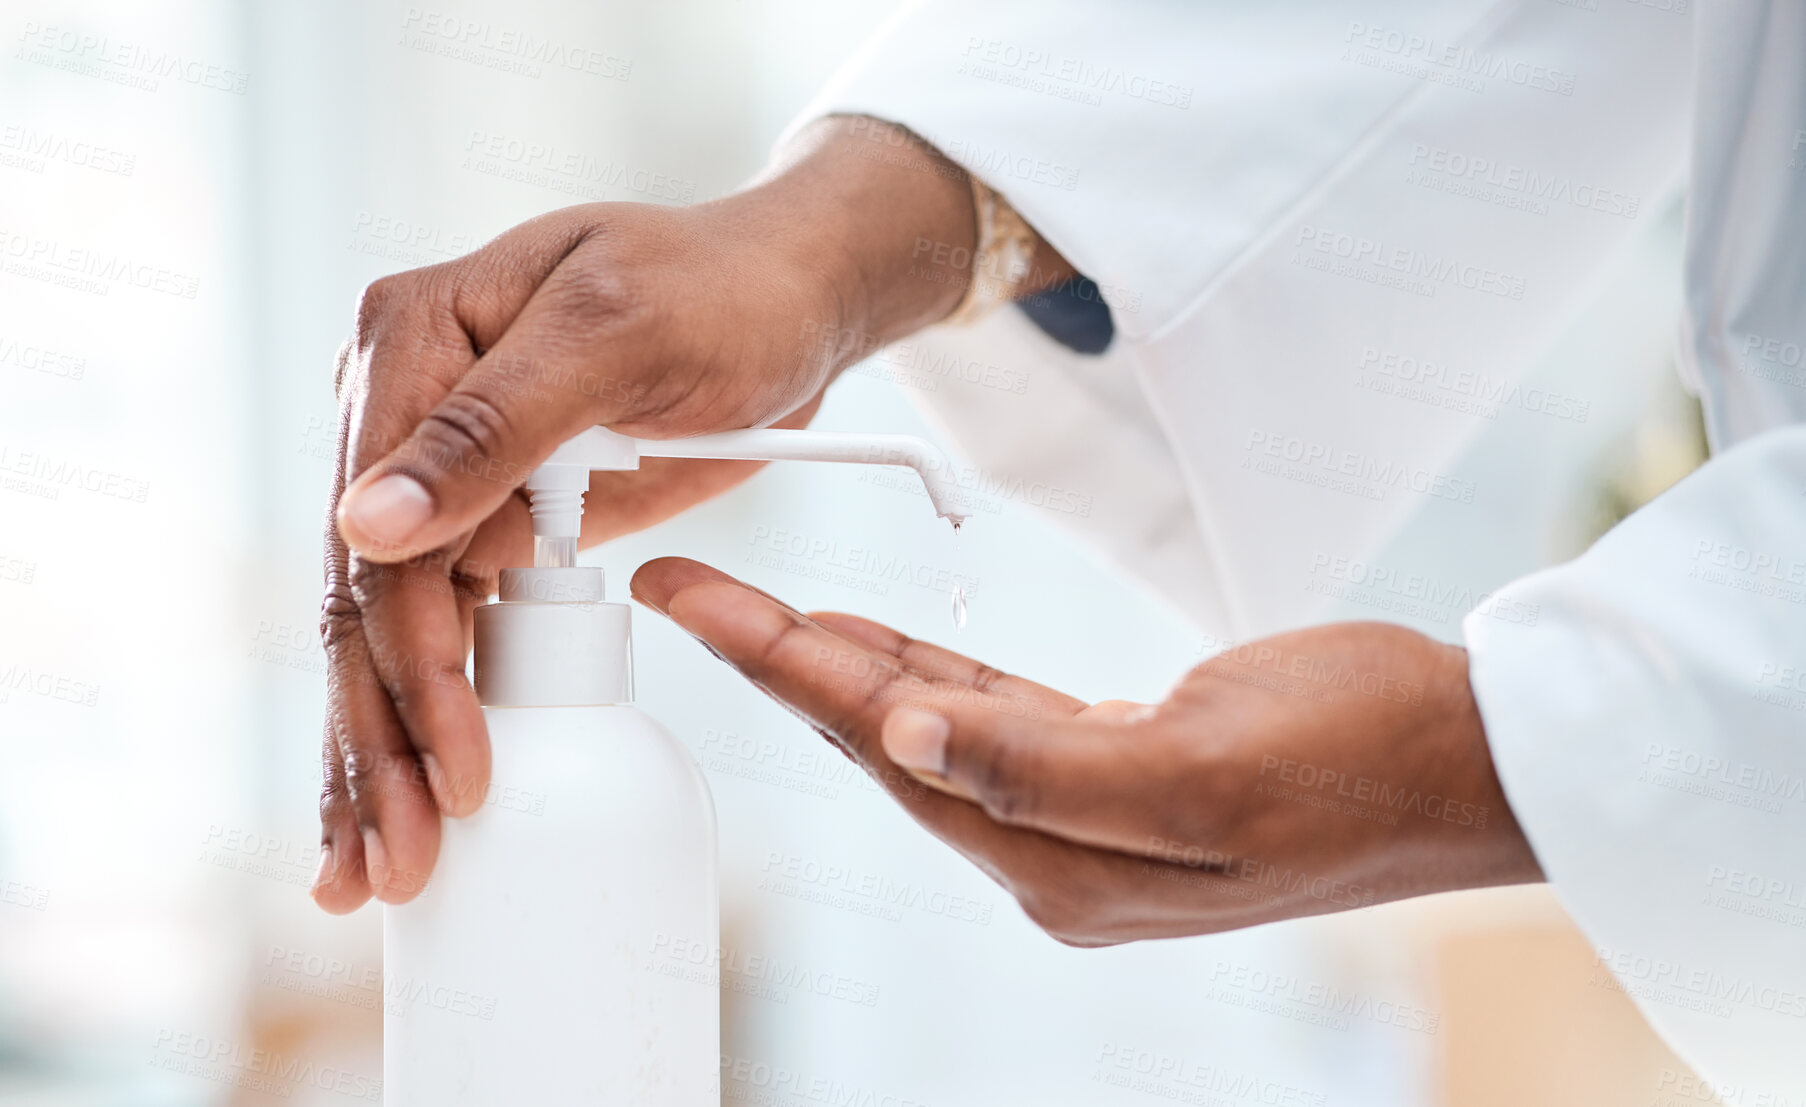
464, 459
1063, 777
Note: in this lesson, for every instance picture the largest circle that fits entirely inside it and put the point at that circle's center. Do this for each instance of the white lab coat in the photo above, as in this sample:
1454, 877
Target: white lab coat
1340, 243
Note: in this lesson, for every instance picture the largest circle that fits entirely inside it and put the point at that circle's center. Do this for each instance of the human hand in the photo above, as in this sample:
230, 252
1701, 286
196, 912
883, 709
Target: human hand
1314, 771
462, 377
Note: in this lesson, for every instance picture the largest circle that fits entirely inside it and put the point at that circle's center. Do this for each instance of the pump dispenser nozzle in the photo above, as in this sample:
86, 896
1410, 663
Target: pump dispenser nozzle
556, 488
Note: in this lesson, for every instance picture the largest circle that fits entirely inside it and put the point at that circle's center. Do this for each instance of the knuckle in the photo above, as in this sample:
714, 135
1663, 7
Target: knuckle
367, 581
1002, 772
334, 799
361, 766
464, 425
340, 616
373, 775
985, 678
593, 288
376, 300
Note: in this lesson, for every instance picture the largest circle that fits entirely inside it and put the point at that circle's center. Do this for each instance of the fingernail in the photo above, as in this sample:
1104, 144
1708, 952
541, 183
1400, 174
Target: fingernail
436, 783
917, 740
389, 511
323, 875
376, 861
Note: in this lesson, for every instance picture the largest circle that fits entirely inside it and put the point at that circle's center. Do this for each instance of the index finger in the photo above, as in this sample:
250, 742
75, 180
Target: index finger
848, 690
841, 686
938, 662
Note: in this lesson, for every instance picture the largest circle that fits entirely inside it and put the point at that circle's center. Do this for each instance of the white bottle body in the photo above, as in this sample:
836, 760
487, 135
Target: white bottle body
535, 967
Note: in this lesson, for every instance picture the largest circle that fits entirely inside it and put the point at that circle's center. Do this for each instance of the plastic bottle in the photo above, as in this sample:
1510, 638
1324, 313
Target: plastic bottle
535, 968
546, 962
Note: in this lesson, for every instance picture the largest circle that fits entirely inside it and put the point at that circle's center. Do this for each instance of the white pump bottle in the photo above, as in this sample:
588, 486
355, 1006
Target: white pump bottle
529, 970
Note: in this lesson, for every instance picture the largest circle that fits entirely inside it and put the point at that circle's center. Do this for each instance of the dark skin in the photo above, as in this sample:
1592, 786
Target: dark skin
460, 378
1315, 771
1115, 821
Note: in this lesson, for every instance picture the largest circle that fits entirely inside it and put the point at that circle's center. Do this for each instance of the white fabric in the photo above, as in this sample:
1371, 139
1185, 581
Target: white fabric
1189, 217
1743, 347
1340, 242
1649, 732
1650, 729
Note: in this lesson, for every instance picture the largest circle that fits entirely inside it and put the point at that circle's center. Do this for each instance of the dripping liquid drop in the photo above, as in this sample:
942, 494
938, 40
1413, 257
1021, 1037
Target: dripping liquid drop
959, 590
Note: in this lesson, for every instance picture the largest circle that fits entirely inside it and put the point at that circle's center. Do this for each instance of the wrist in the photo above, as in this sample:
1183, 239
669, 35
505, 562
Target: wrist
1500, 854
879, 225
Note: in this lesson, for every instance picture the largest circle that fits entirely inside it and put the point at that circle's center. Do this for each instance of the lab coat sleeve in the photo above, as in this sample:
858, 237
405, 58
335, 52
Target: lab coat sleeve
1648, 722
1649, 725
1150, 141
1743, 345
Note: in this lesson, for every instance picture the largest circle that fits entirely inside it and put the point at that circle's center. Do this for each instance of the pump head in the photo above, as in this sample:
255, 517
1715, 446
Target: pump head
555, 490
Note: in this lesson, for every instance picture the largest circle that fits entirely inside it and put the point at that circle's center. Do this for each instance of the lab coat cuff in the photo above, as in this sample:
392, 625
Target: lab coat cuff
1641, 710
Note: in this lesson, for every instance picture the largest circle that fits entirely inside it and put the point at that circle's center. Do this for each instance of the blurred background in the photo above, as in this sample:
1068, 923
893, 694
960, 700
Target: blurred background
166, 447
